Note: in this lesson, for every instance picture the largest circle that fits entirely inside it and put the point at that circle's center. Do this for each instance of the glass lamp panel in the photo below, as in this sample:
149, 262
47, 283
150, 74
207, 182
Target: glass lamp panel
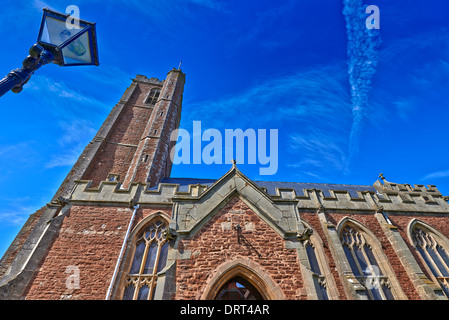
78, 51
55, 31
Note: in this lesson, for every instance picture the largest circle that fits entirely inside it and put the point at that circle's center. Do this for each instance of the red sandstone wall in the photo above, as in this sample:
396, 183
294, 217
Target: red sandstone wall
441, 223
128, 129
212, 246
90, 239
371, 222
156, 135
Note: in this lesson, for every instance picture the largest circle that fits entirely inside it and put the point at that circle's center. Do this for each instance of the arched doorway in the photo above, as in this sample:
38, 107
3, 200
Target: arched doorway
241, 279
238, 288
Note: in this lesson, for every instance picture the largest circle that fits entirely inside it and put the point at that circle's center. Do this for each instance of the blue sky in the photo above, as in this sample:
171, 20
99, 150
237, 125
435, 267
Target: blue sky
249, 64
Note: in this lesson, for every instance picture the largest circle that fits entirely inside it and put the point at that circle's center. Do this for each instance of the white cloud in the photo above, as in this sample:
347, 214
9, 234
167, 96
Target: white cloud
17, 212
321, 151
75, 131
362, 49
74, 137
59, 89
66, 102
39, 5
311, 109
111, 76
319, 93
66, 159
436, 175
12, 150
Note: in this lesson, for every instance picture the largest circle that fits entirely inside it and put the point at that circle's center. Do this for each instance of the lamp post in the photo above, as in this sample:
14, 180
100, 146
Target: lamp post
58, 42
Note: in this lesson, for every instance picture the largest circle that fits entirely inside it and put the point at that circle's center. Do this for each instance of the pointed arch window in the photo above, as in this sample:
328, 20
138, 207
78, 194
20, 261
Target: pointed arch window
318, 276
434, 255
364, 265
238, 288
153, 96
150, 257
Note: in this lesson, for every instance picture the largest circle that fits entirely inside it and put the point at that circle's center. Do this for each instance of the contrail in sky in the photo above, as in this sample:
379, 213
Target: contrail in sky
362, 51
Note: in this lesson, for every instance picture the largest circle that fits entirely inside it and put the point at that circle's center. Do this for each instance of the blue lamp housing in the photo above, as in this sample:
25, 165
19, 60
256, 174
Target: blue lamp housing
71, 44
59, 42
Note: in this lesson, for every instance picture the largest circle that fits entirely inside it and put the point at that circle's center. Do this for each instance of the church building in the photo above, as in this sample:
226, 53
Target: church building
121, 228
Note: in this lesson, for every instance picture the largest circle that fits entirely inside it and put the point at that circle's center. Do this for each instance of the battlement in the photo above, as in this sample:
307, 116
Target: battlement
389, 186
112, 192
394, 198
152, 80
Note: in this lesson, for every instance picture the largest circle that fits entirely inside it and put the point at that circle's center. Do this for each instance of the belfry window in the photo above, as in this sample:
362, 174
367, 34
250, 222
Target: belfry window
153, 96
318, 277
150, 257
364, 265
434, 255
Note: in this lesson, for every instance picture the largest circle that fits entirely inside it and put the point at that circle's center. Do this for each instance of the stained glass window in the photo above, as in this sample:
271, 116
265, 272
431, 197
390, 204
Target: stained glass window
150, 257
434, 255
364, 264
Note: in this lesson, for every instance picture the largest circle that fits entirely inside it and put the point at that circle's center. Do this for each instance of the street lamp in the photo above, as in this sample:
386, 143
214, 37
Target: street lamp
58, 42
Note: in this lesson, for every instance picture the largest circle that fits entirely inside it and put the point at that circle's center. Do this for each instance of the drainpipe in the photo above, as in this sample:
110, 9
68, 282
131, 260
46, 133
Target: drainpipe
120, 258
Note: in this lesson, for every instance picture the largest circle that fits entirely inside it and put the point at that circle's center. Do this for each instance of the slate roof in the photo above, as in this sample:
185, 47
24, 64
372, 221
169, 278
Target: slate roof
271, 186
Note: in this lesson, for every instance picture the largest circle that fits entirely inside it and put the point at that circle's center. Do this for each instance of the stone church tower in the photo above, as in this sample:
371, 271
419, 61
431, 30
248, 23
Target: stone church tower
120, 227
132, 146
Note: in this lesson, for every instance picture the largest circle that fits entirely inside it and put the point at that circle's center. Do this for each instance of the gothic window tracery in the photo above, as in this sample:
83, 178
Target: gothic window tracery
150, 257
318, 276
434, 255
364, 265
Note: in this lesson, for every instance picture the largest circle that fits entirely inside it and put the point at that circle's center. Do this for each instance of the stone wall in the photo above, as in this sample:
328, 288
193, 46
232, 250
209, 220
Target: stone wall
89, 240
217, 242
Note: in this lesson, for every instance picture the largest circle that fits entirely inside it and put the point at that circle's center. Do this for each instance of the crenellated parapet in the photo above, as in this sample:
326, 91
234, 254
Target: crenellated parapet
113, 192
390, 196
